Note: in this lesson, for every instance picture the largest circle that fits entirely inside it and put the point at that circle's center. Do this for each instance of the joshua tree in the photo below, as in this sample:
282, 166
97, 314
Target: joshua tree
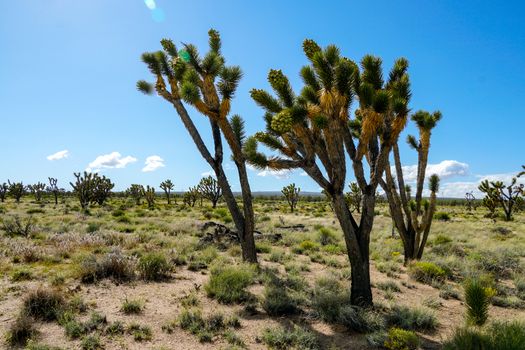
191, 196
209, 188
354, 198
315, 129
167, 186
4, 188
208, 85
16, 189
37, 190
136, 192
91, 188
507, 196
413, 218
149, 194
291, 194
53, 188
491, 205
102, 190
470, 201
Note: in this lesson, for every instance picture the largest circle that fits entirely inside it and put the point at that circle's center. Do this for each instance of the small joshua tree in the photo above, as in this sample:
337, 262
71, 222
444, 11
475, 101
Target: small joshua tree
209, 188
37, 190
53, 188
102, 190
354, 198
149, 194
135, 191
4, 188
91, 188
16, 190
413, 217
167, 186
291, 194
507, 196
491, 205
191, 196
470, 201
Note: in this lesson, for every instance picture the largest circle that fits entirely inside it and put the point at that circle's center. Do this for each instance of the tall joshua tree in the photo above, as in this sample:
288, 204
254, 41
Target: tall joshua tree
209, 188
149, 194
4, 188
37, 190
136, 192
507, 196
53, 188
209, 85
413, 218
167, 186
315, 131
291, 194
191, 196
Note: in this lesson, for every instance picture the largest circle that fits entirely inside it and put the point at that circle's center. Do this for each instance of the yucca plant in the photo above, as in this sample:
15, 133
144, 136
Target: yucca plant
149, 194
477, 302
291, 194
207, 84
136, 192
508, 197
167, 186
209, 188
315, 131
37, 190
16, 190
4, 188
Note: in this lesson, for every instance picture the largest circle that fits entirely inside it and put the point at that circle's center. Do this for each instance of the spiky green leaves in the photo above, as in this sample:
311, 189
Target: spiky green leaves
425, 120
309, 78
237, 124
372, 72
266, 101
477, 301
229, 80
412, 142
190, 92
145, 87
310, 48
151, 61
162, 60
281, 86
169, 47
282, 122
344, 76
212, 63
320, 121
254, 157
433, 183
214, 41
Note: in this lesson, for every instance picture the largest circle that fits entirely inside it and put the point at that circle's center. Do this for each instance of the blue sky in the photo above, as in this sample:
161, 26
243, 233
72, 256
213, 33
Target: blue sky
68, 71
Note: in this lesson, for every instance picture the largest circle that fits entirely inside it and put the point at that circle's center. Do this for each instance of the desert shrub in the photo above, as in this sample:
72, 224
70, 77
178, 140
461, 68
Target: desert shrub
31, 345
228, 284
20, 331
328, 297
153, 267
277, 300
280, 338
432, 303
306, 246
189, 300
21, 275
442, 216
263, 247
91, 342
234, 339
389, 286
17, 226
74, 329
477, 302
92, 227
501, 262
326, 236
442, 239
417, 319
115, 328
400, 339
359, 319
140, 333
113, 265
35, 211
205, 329
446, 291
44, 304
132, 307
499, 336
426, 272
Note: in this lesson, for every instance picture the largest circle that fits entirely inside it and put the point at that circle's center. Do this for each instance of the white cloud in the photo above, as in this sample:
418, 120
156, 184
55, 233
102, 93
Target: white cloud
279, 174
208, 173
460, 188
59, 155
153, 163
109, 161
150, 4
445, 169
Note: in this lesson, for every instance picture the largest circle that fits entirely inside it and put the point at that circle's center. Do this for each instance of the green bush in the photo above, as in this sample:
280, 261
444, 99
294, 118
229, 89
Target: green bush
91, 342
442, 239
277, 300
44, 304
113, 265
21, 331
426, 272
328, 297
306, 246
140, 333
442, 216
499, 336
280, 338
132, 307
228, 284
417, 319
360, 320
326, 236
477, 302
21, 275
400, 339
153, 267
